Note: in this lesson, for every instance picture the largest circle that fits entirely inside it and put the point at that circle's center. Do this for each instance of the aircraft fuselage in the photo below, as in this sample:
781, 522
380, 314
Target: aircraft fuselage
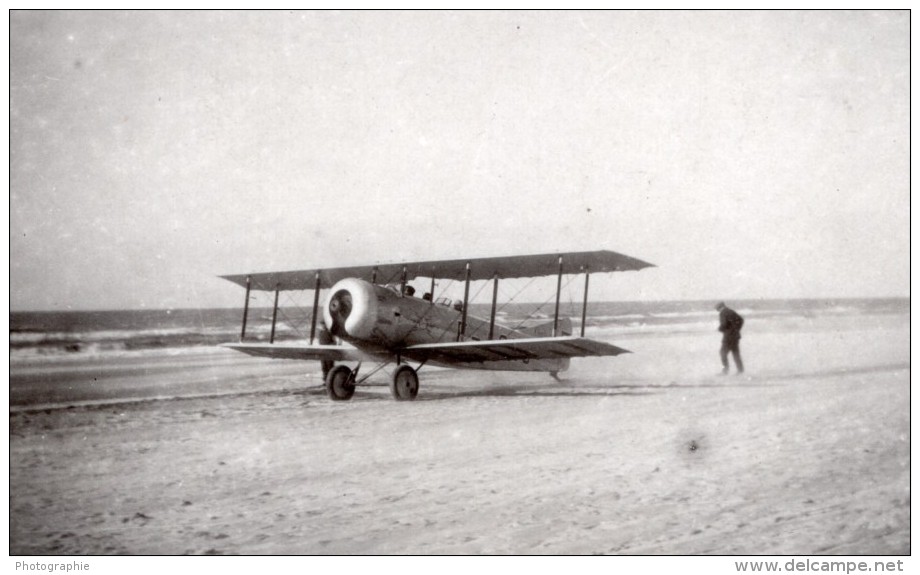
382, 319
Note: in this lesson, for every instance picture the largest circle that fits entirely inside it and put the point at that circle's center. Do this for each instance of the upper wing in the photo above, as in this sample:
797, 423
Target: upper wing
479, 268
511, 349
299, 351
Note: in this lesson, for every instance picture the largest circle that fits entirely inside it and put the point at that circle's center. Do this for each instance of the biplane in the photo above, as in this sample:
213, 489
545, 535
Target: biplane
374, 309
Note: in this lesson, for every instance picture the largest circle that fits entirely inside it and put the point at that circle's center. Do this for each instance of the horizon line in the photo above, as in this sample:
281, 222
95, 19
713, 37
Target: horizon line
691, 300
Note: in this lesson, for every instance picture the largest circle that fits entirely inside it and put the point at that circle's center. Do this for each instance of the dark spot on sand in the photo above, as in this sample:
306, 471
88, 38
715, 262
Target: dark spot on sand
138, 517
186, 503
694, 443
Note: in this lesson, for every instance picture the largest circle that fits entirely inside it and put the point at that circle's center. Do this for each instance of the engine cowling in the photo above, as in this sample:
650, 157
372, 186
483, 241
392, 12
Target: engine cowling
351, 309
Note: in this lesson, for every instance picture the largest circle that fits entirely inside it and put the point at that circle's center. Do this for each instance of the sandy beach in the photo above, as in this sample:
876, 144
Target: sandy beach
648, 453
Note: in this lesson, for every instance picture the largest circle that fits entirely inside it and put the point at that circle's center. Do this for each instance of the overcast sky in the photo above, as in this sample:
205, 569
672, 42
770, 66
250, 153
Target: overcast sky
746, 154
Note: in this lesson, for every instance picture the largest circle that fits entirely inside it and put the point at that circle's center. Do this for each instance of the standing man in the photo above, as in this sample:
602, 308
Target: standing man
730, 325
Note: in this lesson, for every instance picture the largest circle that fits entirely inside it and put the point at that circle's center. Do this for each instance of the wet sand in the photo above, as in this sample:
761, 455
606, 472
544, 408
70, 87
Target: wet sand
649, 453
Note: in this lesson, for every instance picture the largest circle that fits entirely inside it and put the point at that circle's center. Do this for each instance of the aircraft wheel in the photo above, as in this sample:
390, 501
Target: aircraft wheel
340, 383
404, 386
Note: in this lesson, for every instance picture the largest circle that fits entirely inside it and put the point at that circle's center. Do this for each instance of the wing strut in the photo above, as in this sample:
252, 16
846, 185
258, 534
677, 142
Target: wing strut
274, 317
558, 293
246, 308
494, 301
466, 301
584, 307
315, 308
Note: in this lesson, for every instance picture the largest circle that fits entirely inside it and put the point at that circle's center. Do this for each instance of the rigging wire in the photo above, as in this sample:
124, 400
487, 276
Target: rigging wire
539, 307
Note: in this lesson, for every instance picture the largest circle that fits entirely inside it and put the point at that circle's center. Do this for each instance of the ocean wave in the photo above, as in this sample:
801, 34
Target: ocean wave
127, 338
99, 351
104, 335
635, 328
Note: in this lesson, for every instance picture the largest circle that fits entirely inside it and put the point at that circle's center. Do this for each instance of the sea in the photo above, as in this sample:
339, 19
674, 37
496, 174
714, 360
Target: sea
47, 336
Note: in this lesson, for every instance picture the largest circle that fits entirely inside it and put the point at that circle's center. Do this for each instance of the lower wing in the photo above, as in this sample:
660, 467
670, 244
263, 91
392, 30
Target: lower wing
448, 352
299, 351
511, 349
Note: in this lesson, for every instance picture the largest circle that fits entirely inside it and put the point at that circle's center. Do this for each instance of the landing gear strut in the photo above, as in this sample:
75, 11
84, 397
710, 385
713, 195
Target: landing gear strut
404, 386
325, 338
340, 383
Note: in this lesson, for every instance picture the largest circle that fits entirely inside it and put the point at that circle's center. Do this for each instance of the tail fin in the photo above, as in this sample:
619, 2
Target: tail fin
545, 328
